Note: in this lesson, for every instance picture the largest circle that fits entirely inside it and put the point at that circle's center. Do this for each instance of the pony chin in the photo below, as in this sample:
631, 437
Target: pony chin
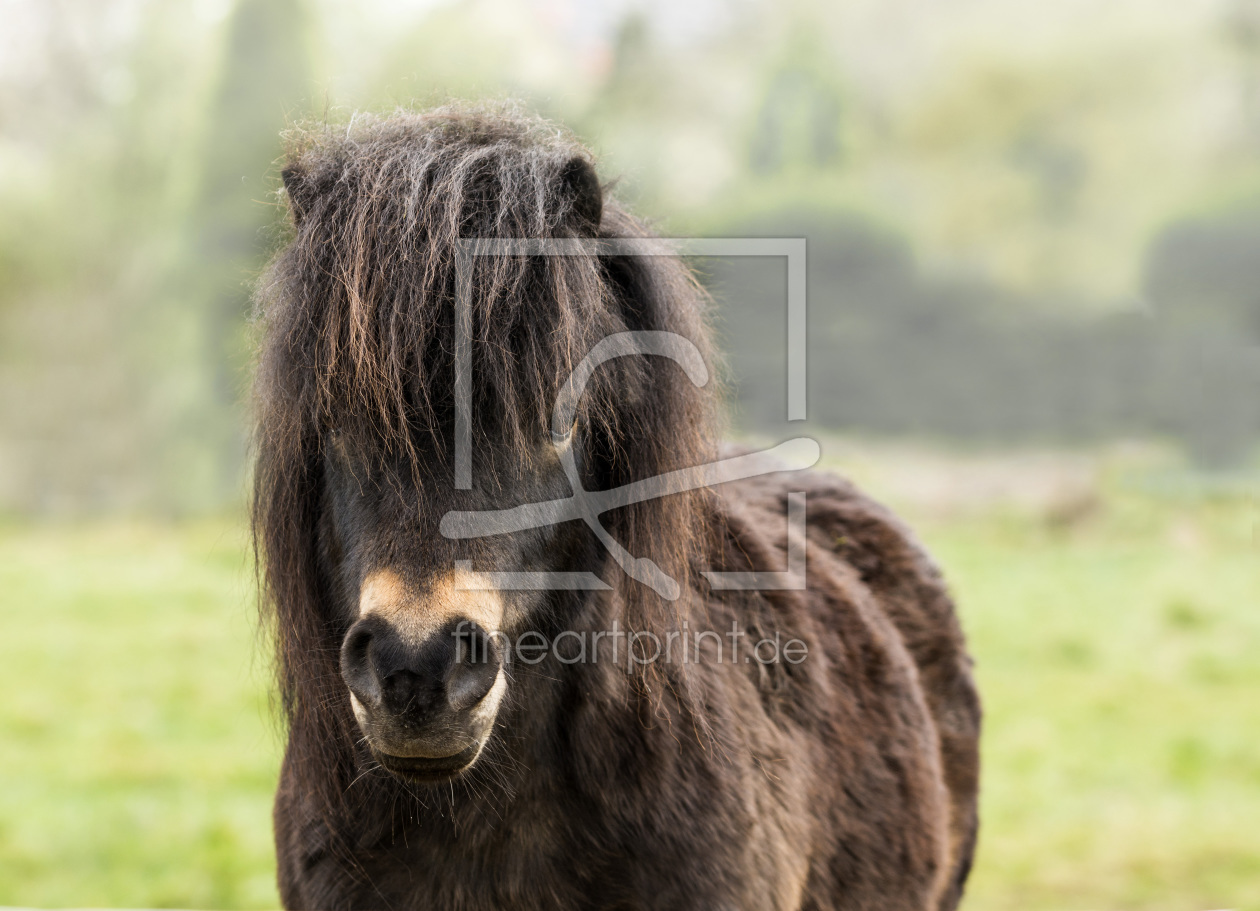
422, 759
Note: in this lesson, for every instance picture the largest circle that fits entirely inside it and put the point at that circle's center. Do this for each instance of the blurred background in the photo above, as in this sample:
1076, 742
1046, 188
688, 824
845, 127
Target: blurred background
1034, 328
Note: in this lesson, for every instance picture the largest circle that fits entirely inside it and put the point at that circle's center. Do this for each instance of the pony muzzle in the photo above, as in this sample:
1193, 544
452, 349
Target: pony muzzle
426, 704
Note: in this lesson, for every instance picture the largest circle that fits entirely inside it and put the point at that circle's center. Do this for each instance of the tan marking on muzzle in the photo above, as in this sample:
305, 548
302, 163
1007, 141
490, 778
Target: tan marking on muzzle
457, 594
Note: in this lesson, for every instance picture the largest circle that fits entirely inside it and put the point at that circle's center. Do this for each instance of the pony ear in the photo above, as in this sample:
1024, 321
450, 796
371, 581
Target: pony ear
581, 183
298, 189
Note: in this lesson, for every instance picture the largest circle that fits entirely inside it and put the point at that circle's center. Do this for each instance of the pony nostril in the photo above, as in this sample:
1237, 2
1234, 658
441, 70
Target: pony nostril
357, 642
469, 684
474, 671
356, 665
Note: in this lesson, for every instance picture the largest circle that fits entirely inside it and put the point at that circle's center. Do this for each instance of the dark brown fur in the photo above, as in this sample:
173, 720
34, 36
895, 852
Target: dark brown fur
845, 782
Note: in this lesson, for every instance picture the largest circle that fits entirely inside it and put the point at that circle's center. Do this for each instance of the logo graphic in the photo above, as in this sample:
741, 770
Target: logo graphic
793, 455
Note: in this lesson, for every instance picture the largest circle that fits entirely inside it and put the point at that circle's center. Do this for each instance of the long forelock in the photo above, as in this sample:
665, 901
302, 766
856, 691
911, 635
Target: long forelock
372, 283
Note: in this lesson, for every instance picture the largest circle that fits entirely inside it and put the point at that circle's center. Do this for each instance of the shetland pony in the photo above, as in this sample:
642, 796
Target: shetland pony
458, 743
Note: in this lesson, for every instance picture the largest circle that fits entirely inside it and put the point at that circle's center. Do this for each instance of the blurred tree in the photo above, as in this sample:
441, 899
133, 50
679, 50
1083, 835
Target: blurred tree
1241, 27
633, 84
265, 83
798, 118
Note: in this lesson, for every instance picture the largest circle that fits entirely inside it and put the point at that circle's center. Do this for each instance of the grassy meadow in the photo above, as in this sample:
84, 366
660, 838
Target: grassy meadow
1113, 610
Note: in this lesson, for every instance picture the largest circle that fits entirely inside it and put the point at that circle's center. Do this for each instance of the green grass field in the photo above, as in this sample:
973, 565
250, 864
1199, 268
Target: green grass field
1117, 642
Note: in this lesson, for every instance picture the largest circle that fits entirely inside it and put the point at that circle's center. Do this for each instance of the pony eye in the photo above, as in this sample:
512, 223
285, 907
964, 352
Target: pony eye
564, 439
